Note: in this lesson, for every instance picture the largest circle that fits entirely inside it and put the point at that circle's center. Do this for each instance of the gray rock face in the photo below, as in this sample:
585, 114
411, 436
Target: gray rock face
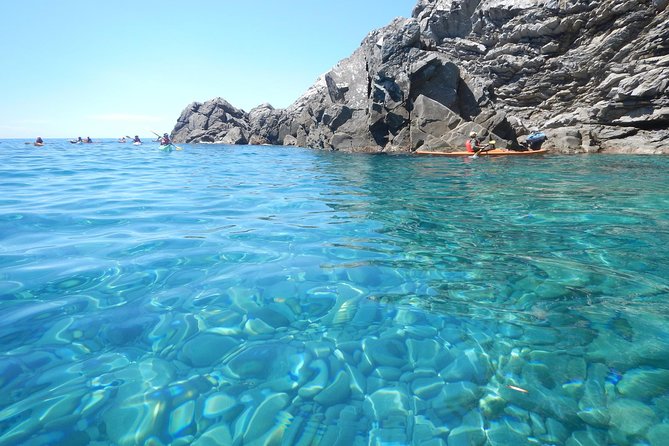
593, 74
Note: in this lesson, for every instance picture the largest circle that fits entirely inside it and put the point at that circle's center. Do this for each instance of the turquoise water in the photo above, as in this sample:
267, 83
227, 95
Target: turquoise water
263, 295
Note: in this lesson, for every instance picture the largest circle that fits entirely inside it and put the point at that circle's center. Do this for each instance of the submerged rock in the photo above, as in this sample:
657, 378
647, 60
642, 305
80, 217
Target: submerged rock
644, 384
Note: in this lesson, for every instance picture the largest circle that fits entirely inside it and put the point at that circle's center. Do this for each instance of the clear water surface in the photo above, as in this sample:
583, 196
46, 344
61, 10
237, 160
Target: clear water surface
281, 296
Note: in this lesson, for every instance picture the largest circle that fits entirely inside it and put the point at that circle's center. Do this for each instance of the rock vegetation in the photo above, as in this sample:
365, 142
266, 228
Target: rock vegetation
593, 74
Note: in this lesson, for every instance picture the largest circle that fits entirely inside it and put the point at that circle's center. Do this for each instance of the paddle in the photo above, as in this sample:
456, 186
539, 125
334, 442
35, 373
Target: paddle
490, 143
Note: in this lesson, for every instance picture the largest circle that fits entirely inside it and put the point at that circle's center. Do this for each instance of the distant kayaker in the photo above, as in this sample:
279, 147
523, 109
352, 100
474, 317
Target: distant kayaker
88, 140
136, 139
39, 141
121, 139
165, 140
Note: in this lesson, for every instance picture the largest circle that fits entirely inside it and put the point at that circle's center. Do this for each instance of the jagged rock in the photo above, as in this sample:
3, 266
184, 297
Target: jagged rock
234, 136
593, 72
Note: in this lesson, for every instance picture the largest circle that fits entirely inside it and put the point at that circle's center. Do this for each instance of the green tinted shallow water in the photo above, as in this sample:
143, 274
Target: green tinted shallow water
262, 295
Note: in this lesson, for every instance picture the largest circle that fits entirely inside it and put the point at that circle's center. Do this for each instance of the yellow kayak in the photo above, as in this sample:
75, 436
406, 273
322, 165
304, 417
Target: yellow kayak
494, 152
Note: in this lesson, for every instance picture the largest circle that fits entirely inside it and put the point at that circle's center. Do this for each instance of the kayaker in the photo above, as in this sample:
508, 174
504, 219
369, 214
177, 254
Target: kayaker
39, 141
88, 140
165, 140
473, 144
136, 139
121, 139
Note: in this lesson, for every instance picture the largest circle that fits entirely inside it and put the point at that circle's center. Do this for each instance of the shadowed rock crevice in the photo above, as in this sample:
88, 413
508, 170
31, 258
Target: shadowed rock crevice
593, 74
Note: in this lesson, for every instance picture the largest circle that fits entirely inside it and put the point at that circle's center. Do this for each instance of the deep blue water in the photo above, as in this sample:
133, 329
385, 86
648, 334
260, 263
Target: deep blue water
266, 295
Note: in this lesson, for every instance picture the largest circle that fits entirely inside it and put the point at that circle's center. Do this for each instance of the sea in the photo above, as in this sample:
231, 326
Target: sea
261, 295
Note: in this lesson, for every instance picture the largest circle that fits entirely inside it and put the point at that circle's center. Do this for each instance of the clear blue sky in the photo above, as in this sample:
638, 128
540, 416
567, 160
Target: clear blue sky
124, 67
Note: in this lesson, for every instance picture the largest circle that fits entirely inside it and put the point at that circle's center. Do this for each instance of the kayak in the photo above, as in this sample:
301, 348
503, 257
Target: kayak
39, 144
494, 152
169, 147
136, 143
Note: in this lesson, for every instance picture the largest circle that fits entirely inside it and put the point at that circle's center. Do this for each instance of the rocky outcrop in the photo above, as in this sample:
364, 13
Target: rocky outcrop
215, 121
594, 75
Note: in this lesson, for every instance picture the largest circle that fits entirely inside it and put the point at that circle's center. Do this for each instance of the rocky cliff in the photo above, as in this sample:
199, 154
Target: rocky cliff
593, 74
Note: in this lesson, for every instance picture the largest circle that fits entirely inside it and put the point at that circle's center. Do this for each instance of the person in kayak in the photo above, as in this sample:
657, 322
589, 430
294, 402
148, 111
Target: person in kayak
136, 139
165, 140
473, 144
88, 140
39, 141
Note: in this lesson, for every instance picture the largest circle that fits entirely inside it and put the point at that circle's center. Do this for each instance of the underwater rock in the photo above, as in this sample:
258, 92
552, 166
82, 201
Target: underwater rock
206, 349
658, 435
358, 383
425, 352
508, 432
468, 365
336, 393
264, 417
385, 403
262, 361
255, 327
221, 405
387, 373
556, 432
492, 405
544, 401
427, 388
274, 315
216, 436
181, 418
385, 351
456, 398
318, 382
591, 437
644, 383
592, 406
467, 436
631, 417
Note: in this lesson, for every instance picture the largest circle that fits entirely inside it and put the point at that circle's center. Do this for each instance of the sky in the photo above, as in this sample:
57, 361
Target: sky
112, 68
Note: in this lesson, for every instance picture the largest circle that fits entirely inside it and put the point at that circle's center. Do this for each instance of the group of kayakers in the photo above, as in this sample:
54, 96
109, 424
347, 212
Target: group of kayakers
473, 145
163, 140
87, 140
533, 142
135, 140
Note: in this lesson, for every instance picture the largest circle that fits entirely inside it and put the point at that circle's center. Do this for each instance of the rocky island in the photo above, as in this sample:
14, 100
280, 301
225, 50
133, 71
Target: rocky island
592, 74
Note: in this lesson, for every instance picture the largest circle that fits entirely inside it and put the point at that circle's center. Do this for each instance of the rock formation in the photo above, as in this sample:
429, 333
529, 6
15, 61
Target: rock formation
593, 74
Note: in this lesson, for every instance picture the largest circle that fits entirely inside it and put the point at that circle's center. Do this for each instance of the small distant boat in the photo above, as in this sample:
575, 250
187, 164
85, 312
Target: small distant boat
494, 152
136, 143
39, 144
73, 141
